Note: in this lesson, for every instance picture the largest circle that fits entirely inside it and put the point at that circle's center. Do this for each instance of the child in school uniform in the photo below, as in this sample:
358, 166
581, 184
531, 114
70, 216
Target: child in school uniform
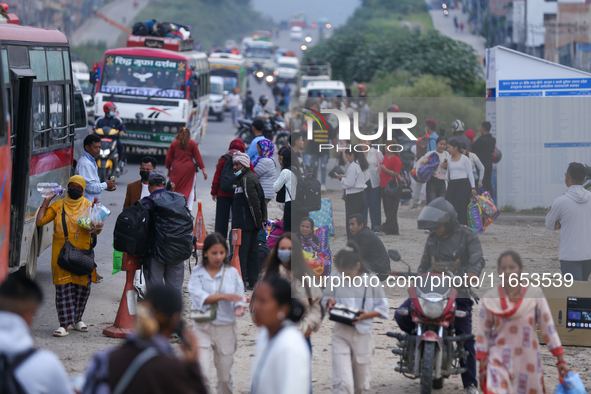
216, 283
353, 345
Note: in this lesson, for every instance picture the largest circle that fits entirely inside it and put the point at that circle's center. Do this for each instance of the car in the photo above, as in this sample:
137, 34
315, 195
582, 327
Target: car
325, 88
286, 69
296, 33
306, 79
218, 100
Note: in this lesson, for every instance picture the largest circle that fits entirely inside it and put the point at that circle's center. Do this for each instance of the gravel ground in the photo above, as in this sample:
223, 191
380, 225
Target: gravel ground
527, 235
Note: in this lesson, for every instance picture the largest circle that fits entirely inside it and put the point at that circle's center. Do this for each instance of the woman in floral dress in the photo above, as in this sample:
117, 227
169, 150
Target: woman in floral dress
507, 343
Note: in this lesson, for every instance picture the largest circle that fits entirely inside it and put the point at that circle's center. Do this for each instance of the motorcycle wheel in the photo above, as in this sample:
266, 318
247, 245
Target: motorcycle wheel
427, 367
246, 136
438, 383
102, 172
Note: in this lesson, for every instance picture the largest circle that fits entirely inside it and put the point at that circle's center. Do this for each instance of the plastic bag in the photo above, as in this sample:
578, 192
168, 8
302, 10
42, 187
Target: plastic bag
488, 207
572, 384
476, 218
93, 218
117, 259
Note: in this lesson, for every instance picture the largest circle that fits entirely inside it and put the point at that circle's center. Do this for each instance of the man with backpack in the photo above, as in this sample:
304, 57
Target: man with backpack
248, 105
23, 369
171, 232
223, 185
249, 213
146, 363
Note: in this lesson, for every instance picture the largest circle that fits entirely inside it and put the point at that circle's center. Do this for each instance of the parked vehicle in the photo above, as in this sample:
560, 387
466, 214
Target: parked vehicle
218, 101
80, 120
432, 352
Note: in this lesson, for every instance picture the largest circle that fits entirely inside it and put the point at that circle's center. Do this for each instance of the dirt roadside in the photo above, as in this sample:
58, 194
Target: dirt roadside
538, 247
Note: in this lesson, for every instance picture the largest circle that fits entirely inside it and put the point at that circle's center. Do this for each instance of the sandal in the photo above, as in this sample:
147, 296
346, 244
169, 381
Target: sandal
61, 332
80, 326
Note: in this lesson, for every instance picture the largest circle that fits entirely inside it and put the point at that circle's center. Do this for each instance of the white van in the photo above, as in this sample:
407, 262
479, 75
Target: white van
306, 79
325, 88
218, 100
286, 69
296, 33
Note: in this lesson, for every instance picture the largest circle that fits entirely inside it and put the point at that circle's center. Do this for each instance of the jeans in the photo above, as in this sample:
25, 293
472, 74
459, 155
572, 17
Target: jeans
165, 274
222, 214
416, 195
234, 112
373, 199
580, 270
391, 204
249, 256
487, 180
248, 114
463, 325
312, 161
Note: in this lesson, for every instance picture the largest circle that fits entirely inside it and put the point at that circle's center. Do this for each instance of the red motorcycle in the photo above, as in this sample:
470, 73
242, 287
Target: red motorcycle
432, 351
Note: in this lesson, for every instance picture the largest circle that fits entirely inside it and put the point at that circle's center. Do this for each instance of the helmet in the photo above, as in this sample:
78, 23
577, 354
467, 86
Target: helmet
263, 99
108, 107
361, 86
457, 125
393, 108
438, 212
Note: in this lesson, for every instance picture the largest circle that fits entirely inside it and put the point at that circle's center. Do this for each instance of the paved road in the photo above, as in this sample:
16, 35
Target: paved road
104, 300
96, 29
445, 25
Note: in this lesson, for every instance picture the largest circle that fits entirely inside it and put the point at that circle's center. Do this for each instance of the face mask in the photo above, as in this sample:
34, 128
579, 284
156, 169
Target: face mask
74, 194
112, 114
284, 256
144, 175
238, 173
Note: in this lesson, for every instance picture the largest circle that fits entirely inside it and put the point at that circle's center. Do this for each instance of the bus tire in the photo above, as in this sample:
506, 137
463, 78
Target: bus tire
30, 269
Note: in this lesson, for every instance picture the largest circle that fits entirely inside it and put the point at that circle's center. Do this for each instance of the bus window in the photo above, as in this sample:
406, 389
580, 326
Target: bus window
67, 64
5, 67
67, 96
55, 63
38, 65
39, 117
56, 114
79, 109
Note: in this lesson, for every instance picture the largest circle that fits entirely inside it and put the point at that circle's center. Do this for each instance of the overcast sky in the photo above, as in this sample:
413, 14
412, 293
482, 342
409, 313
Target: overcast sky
337, 11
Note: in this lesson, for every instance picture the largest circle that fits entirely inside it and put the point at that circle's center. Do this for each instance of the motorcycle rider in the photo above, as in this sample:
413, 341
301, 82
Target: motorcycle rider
113, 121
449, 244
260, 111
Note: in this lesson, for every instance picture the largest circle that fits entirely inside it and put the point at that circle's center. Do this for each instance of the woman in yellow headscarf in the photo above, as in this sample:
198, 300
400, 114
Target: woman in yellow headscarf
71, 291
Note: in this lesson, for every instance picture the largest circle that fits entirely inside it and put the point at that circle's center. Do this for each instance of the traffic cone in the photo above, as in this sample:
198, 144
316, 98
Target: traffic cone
199, 229
236, 241
125, 321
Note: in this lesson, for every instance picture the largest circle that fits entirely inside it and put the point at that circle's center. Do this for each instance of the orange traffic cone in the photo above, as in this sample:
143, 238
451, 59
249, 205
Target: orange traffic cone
236, 241
125, 320
199, 229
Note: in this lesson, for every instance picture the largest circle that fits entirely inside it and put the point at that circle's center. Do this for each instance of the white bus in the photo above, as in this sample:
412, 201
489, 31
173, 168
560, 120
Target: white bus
158, 85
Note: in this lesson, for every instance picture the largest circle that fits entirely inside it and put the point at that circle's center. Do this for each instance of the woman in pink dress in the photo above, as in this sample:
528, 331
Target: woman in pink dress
181, 158
507, 342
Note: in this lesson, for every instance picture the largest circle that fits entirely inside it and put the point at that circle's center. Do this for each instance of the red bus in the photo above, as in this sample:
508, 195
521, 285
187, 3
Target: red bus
38, 84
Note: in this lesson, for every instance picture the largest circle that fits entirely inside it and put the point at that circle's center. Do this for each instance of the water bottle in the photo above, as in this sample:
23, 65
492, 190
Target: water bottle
49, 189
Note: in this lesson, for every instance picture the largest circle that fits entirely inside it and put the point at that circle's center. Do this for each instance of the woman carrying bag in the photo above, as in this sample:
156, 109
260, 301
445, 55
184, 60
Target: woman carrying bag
217, 295
71, 290
461, 181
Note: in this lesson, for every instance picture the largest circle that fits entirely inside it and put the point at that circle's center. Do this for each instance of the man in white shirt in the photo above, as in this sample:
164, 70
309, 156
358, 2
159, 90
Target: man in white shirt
117, 81
233, 103
571, 214
88, 169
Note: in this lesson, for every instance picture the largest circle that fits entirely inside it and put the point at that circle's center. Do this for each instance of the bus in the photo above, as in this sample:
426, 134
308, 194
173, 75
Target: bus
5, 179
158, 85
37, 81
231, 68
258, 51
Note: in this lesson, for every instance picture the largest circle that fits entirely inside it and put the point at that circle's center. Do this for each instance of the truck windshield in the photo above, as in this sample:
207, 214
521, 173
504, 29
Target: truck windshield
259, 52
144, 76
326, 92
288, 65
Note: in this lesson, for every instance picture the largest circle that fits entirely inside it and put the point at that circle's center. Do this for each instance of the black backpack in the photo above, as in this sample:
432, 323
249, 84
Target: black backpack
140, 29
308, 197
8, 382
227, 177
132, 230
248, 103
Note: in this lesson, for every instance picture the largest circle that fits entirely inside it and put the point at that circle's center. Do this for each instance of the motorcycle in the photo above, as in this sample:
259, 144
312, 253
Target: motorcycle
275, 130
259, 73
108, 162
432, 352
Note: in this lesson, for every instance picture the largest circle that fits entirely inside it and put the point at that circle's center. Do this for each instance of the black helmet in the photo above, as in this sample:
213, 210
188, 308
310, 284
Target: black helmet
438, 212
263, 99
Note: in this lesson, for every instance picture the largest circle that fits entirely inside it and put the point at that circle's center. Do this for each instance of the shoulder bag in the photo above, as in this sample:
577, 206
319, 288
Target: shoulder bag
344, 314
211, 311
192, 159
392, 187
72, 259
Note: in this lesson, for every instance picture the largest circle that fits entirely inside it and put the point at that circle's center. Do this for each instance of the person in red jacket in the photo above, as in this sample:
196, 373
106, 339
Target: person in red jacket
222, 198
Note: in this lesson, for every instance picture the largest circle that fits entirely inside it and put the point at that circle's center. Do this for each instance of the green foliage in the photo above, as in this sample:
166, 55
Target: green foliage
508, 209
359, 55
90, 52
211, 21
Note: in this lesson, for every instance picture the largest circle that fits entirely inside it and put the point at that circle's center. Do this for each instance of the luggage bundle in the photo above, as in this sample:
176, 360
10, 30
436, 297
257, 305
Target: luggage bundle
160, 29
482, 211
